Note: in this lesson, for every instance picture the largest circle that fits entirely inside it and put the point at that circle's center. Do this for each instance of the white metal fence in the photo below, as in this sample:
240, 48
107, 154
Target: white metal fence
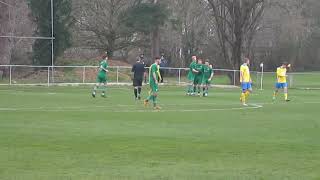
121, 75
48, 75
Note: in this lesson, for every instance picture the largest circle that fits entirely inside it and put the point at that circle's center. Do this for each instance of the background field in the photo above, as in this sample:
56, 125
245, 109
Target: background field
63, 133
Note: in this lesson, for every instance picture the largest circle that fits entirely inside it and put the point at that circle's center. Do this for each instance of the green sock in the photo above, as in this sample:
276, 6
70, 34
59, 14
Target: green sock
154, 101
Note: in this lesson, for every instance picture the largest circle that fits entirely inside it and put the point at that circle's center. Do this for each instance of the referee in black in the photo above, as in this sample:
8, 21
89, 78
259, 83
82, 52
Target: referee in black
138, 70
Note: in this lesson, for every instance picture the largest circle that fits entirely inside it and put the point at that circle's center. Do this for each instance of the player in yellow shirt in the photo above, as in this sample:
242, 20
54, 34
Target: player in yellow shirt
246, 82
282, 81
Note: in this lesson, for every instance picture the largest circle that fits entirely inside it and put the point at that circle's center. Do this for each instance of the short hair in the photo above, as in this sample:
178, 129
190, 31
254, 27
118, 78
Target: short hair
156, 58
285, 63
246, 59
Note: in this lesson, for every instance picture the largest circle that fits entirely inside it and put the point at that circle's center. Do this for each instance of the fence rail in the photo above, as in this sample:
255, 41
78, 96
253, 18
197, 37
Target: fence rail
52, 75
55, 75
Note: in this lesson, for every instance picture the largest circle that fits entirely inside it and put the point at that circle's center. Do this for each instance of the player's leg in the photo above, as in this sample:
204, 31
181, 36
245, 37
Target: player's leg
155, 95
249, 90
139, 92
151, 95
276, 91
189, 88
149, 98
203, 89
139, 88
155, 90
103, 85
190, 83
195, 84
207, 88
244, 94
135, 89
285, 91
199, 82
94, 91
135, 92
96, 86
202, 86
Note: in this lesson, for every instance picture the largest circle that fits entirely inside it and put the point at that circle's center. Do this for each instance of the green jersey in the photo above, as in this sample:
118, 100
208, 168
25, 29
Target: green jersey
191, 74
199, 68
207, 71
102, 74
192, 66
153, 69
103, 65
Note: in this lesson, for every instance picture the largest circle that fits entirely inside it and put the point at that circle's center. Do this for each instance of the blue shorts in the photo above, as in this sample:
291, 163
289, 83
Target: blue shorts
281, 85
246, 86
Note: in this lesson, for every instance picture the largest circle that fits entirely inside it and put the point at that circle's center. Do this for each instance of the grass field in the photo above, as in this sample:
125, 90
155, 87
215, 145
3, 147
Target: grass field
62, 133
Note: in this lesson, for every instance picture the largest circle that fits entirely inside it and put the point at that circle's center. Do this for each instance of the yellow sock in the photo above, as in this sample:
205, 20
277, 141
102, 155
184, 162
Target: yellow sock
243, 97
247, 94
286, 96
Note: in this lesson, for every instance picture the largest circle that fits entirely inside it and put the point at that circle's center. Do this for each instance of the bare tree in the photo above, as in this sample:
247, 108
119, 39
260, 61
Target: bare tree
98, 24
187, 32
14, 20
5, 17
235, 23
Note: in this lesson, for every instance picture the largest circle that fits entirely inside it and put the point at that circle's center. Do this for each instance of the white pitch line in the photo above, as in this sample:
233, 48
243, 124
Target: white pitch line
131, 108
69, 109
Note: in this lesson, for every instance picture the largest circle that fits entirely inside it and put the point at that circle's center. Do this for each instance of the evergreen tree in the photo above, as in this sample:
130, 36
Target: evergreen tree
41, 13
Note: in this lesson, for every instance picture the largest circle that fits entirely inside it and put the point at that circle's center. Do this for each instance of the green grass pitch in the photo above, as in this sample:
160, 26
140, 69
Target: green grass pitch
63, 133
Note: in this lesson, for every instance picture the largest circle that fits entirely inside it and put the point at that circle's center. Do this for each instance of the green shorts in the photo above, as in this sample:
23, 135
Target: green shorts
101, 78
154, 87
190, 76
197, 80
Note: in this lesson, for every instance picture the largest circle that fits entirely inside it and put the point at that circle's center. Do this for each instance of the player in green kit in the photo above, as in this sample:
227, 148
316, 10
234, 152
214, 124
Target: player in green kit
153, 82
198, 77
101, 77
207, 77
191, 75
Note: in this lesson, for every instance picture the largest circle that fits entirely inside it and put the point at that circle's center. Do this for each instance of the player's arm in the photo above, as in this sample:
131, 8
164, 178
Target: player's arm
211, 76
132, 71
195, 71
159, 75
133, 68
101, 67
154, 77
241, 75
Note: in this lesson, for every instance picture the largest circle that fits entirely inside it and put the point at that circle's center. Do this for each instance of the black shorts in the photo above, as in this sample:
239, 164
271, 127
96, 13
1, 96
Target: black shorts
137, 82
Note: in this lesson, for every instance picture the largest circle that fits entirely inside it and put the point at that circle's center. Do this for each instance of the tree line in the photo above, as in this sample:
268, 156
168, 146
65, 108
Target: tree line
223, 31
